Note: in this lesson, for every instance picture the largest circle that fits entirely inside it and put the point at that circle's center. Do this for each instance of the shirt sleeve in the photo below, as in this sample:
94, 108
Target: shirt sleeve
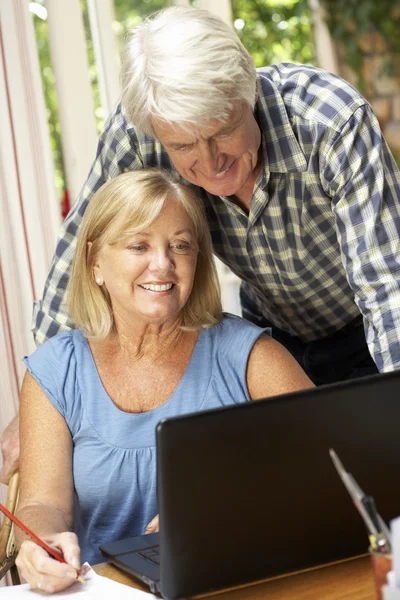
363, 180
117, 152
235, 341
53, 365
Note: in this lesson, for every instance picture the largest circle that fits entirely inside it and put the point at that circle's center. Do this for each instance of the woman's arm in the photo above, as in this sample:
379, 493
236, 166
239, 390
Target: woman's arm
272, 370
45, 502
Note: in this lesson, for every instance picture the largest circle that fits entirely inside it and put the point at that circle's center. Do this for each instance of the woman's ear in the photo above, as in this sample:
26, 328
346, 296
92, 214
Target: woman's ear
97, 275
96, 268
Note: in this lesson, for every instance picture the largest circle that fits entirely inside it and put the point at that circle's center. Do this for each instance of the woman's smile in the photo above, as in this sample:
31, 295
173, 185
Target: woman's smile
156, 287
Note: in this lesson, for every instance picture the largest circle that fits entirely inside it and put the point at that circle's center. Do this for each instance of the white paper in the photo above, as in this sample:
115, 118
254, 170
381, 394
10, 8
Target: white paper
96, 588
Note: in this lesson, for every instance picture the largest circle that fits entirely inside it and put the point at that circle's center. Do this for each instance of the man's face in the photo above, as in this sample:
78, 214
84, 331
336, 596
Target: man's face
219, 157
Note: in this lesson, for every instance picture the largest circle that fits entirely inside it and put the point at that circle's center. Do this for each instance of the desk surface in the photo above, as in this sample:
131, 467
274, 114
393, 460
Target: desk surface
349, 580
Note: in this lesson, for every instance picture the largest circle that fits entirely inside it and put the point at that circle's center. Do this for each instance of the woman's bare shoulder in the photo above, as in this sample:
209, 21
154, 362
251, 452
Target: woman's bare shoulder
272, 370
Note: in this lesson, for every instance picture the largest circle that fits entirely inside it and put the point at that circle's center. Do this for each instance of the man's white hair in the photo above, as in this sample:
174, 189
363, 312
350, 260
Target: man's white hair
184, 66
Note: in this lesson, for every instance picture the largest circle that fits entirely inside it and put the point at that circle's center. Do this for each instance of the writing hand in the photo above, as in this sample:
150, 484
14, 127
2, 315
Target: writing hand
43, 572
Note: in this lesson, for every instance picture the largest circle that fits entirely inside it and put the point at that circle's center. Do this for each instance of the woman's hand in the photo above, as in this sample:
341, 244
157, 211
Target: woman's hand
45, 573
153, 526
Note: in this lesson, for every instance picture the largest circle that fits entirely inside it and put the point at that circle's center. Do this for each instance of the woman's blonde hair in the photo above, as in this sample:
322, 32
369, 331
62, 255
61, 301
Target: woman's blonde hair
122, 207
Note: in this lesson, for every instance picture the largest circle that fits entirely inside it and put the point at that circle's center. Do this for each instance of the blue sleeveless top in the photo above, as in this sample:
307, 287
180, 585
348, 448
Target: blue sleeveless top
114, 454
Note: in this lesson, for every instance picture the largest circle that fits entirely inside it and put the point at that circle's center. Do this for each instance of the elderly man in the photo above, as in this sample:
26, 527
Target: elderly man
300, 189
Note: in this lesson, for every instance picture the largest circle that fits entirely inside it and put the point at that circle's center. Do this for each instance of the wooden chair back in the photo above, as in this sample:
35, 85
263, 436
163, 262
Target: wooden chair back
8, 547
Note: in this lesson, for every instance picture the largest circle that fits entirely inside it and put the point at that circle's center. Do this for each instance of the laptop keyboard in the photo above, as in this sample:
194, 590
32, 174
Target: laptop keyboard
152, 554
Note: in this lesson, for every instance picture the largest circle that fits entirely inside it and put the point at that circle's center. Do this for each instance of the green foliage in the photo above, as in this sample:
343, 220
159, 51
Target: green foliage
349, 19
128, 14
48, 80
275, 30
98, 109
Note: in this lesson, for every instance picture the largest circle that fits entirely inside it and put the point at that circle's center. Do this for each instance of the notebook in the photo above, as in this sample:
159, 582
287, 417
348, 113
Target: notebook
249, 492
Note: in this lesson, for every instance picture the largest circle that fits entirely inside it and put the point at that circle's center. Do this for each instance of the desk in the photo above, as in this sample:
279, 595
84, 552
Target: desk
348, 580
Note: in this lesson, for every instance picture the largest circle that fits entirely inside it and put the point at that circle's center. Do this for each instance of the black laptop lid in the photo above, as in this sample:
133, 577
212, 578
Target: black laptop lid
249, 491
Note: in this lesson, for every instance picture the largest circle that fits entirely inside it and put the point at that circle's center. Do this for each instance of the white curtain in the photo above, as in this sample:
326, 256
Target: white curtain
29, 210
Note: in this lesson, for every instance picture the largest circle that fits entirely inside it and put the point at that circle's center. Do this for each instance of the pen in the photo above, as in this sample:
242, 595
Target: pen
383, 541
378, 532
369, 505
354, 491
36, 539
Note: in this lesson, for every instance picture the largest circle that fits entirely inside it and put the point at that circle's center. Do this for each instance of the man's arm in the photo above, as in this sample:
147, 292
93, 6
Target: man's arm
363, 180
116, 153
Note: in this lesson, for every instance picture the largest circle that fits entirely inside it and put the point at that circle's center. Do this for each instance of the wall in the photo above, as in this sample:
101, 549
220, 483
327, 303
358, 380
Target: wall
382, 88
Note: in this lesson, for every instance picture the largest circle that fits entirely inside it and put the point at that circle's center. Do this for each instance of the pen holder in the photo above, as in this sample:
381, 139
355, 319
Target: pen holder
381, 565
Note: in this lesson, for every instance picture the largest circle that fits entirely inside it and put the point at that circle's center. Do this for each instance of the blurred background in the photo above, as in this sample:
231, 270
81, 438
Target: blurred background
59, 72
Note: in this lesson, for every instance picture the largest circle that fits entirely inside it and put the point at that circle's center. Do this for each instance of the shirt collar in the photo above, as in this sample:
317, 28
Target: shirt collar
282, 152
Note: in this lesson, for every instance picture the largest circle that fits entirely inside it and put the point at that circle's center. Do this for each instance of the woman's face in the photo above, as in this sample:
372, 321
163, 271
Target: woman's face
149, 276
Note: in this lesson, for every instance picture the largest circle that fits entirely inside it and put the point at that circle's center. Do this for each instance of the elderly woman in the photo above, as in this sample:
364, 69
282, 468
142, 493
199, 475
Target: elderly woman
152, 343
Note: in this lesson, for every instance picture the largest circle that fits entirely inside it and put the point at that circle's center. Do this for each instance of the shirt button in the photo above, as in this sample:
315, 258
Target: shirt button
262, 263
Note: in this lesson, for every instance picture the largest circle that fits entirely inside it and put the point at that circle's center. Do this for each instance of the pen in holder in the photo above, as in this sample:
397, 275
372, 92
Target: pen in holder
378, 532
381, 565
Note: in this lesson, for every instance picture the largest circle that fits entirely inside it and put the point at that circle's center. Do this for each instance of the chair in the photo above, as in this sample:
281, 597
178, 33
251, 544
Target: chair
8, 547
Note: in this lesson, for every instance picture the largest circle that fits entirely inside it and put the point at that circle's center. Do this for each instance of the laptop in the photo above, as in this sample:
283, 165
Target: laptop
249, 492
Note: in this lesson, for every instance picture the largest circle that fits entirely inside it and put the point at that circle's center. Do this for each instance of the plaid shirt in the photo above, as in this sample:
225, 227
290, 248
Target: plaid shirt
322, 240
